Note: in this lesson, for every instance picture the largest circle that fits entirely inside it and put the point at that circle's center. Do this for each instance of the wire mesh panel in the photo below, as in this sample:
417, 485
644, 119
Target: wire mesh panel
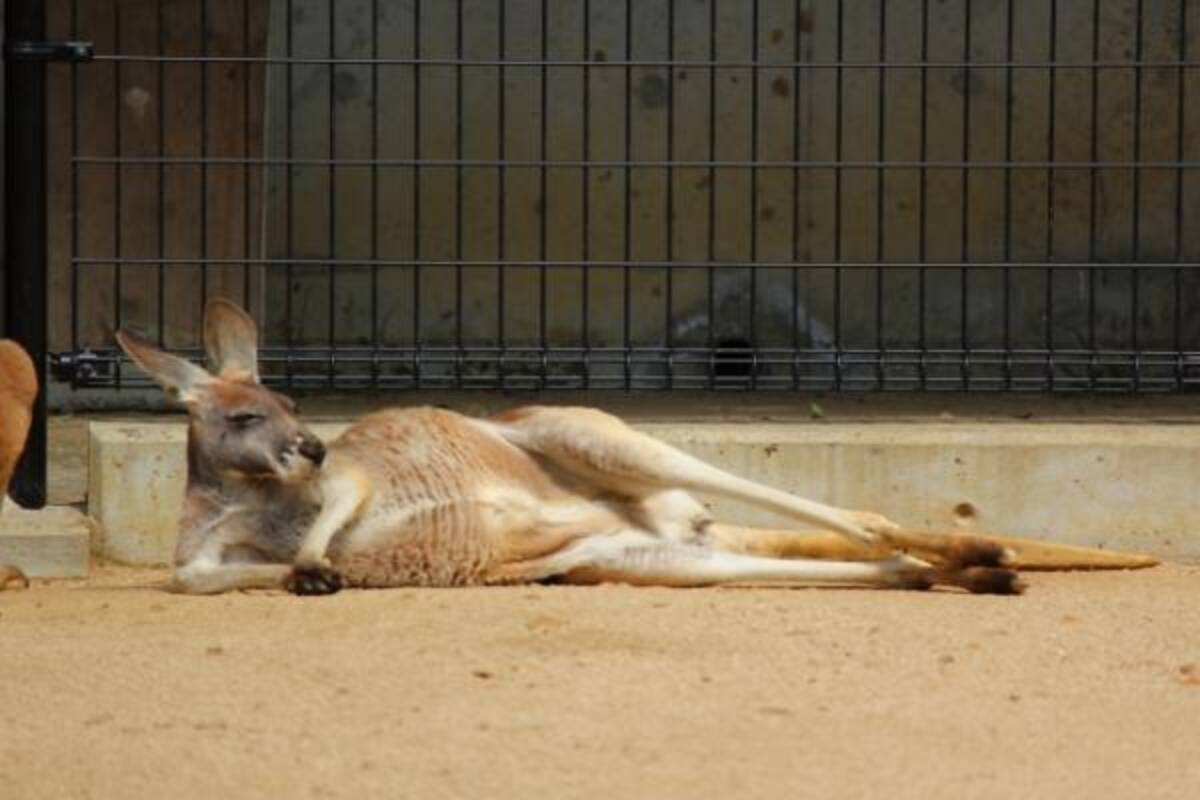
639, 194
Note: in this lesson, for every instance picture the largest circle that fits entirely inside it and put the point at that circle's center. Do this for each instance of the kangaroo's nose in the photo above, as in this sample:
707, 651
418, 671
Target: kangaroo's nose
312, 449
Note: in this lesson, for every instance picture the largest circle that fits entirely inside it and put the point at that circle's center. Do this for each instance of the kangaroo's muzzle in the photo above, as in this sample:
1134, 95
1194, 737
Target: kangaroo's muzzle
312, 449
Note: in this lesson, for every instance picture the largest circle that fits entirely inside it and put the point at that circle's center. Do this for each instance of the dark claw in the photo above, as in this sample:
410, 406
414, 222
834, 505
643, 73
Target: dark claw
918, 580
990, 580
970, 553
977, 580
314, 580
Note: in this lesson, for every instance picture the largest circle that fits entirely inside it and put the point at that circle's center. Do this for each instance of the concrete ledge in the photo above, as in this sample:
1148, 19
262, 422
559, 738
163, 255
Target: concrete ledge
136, 478
54, 542
1124, 486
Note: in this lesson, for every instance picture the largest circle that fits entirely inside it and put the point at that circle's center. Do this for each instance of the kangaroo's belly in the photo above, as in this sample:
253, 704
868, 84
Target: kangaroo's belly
450, 502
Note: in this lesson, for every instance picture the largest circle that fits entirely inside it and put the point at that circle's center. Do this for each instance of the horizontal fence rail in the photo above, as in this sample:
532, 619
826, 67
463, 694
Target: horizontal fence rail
638, 194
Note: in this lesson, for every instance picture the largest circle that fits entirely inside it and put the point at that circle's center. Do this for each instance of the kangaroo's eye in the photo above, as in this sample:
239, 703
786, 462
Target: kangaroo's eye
245, 419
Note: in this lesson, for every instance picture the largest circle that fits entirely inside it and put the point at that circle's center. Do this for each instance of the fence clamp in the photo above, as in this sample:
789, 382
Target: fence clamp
72, 52
79, 368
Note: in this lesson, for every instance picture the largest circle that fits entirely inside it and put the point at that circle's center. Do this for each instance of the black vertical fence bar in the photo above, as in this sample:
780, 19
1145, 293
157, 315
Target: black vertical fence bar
247, 133
796, 205
585, 210
162, 205
1009, 98
502, 201
544, 198
331, 309
458, 197
752, 343
965, 227
838, 344
25, 230
289, 200
203, 155
74, 183
1094, 154
627, 221
1134, 275
711, 229
416, 237
1180, 123
119, 175
880, 152
1051, 176
375, 332
668, 300
923, 199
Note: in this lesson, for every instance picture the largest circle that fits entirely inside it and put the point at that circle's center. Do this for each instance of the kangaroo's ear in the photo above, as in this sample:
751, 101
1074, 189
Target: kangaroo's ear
179, 377
230, 339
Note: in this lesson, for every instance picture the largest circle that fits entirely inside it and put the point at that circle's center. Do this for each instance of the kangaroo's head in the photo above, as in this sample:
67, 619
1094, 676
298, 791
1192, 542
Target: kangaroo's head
239, 430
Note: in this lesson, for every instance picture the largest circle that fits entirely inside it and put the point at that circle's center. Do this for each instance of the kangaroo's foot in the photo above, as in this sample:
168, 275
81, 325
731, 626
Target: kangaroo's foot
976, 580
979, 570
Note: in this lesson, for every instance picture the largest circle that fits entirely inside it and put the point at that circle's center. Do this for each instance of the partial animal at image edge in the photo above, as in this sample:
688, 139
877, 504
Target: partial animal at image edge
18, 390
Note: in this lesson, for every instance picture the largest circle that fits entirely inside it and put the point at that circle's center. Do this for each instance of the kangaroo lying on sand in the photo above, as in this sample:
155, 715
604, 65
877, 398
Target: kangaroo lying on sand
426, 497
18, 389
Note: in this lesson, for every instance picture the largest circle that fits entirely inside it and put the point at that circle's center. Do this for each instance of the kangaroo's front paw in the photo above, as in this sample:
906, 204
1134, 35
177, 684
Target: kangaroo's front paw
314, 578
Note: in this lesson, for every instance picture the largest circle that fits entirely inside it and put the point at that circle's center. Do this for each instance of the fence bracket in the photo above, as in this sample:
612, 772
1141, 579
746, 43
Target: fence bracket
71, 52
80, 368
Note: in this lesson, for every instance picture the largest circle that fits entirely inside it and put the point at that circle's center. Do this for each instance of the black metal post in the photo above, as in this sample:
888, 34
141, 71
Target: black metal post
25, 227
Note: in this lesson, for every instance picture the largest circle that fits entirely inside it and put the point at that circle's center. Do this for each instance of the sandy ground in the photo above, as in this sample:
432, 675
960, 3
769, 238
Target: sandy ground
1088, 686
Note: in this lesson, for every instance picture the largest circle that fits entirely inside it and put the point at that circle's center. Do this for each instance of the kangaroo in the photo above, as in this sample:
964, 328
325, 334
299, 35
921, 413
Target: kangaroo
18, 389
428, 497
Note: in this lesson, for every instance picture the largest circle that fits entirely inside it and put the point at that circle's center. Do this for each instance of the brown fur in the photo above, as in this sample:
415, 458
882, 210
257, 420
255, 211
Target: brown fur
18, 390
423, 496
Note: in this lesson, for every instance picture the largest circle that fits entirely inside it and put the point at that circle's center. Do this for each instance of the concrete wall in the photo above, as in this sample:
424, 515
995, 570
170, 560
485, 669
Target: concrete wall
1117, 486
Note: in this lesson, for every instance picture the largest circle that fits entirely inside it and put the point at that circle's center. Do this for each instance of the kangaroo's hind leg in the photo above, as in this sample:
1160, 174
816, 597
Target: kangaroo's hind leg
640, 558
938, 547
970, 562
601, 450
942, 549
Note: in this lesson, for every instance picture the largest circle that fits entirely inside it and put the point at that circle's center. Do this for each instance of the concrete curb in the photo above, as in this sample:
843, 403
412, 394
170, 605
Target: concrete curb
53, 542
1116, 486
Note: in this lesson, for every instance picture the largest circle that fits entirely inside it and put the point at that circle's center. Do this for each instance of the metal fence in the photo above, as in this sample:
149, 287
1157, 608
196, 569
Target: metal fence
646, 194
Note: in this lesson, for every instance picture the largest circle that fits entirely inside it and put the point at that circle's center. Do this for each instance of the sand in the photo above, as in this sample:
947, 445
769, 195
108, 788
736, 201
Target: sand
1088, 686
